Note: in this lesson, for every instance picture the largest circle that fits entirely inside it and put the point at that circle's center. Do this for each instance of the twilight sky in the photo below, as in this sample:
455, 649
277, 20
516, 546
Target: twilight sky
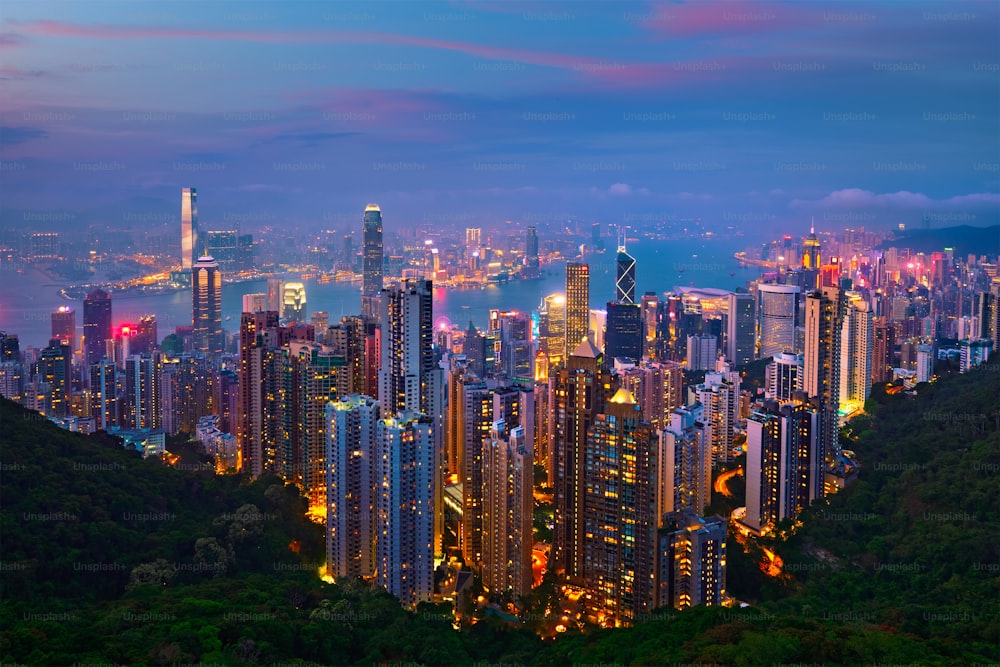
745, 113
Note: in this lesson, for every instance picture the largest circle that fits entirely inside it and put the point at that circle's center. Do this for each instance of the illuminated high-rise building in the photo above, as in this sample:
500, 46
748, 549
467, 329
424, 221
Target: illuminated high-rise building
485, 406
189, 228
785, 466
856, 352
623, 337
649, 304
473, 240
656, 387
684, 462
309, 375
409, 379
578, 393
619, 510
103, 394
577, 304
821, 362
719, 396
255, 344
144, 339
552, 328
406, 482
883, 350
691, 561
507, 510
783, 376
512, 329
347, 338
64, 325
293, 302
810, 252
351, 431
96, 325
740, 328
187, 392
141, 399
206, 307
777, 314
54, 371
625, 276
372, 262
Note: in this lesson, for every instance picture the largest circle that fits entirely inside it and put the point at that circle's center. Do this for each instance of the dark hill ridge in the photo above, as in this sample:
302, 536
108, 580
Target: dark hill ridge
965, 240
89, 530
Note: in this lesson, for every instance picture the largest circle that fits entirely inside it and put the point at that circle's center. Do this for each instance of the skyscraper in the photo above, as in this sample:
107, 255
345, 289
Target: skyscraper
507, 533
552, 328
96, 324
810, 252
625, 280
623, 335
274, 296
189, 228
856, 352
64, 325
513, 329
785, 467
103, 394
531, 253
783, 376
405, 499
372, 262
821, 361
577, 304
206, 306
351, 435
54, 371
702, 350
777, 316
408, 377
684, 460
656, 387
142, 408
293, 301
254, 345
883, 351
254, 303
740, 328
619, 510
691, 561
719, 395
578, 392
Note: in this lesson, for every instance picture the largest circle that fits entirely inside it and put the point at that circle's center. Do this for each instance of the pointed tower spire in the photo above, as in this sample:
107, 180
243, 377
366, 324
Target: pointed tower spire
812, 225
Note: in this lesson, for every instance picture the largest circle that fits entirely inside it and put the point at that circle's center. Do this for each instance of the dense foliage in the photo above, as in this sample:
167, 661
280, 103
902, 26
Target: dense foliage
108, 558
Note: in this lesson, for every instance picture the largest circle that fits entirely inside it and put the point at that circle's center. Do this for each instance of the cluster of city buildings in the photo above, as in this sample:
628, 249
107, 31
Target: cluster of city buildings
423, 447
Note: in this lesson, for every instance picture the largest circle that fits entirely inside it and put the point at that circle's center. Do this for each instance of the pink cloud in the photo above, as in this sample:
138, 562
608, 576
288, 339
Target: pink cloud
526, 56
726, 17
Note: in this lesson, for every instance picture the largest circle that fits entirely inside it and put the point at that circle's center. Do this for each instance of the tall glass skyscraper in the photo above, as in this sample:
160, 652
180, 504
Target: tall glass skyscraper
206, 306
577, 305
96, 324
777, 317
372, 262
625, 280
189, 227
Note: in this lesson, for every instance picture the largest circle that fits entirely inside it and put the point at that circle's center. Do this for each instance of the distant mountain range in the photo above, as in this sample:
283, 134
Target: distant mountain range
963, 239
